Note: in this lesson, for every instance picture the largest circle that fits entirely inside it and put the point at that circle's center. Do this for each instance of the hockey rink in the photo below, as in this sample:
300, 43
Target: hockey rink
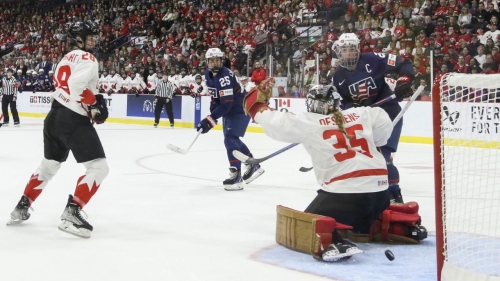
160, 215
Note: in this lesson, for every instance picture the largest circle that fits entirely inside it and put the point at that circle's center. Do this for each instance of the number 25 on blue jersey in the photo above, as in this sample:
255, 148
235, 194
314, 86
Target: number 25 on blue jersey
224, 81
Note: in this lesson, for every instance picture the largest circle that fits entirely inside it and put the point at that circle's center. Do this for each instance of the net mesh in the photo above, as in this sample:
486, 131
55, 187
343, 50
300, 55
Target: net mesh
470, 156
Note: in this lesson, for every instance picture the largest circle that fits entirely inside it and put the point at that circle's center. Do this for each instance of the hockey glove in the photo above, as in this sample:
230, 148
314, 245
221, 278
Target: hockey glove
403, 87
110, 92
200, 89
101, 90
206, 124
257, 99
146, 91
99, 110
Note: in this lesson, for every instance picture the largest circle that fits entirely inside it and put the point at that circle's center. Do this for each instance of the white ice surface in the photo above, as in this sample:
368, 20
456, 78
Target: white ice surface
165, 216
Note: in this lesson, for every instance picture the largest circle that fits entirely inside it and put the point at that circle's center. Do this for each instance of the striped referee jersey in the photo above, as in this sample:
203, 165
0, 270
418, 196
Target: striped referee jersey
165, 89
9, 87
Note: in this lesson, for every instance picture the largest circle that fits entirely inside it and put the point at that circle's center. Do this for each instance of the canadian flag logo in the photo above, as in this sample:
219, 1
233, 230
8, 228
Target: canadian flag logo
284, 103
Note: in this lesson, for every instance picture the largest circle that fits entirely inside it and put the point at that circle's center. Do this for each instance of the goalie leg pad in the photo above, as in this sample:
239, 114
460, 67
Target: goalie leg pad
305, 232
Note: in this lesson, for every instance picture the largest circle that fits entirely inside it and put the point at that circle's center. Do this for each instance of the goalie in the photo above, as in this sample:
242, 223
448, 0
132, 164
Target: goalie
343, 149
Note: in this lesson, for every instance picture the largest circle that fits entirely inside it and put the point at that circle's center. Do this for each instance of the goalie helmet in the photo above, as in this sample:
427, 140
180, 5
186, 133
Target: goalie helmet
214, 65
322, 99
79, 32
347, 50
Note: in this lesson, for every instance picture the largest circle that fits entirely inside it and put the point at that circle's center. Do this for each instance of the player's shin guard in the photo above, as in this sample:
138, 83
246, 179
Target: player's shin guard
40, 178
88, 184
393, 174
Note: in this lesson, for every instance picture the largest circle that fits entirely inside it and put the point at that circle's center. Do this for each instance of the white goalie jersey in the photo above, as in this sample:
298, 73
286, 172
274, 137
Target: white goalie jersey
75, 81
341, 165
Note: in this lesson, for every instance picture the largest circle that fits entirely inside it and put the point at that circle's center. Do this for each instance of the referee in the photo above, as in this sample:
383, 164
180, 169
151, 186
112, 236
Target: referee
163, 96
9, 91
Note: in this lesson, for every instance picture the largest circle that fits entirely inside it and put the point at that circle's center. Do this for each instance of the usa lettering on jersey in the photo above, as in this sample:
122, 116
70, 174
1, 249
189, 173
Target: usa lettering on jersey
368, 82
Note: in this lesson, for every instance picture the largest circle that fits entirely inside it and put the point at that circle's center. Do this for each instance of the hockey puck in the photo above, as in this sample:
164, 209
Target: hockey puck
389, 255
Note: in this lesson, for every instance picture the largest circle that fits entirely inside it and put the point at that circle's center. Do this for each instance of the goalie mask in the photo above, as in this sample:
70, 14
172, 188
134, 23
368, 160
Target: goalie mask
347, 49
322, 99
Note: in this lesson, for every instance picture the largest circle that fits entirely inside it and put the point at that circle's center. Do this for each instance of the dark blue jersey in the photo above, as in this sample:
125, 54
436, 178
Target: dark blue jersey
371, 70
227, 98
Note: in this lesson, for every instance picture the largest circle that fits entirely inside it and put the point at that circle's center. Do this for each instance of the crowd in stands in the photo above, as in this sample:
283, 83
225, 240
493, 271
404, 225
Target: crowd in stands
170, 37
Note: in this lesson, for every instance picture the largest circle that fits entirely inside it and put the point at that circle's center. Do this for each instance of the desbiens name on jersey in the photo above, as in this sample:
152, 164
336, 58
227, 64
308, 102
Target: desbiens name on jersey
330, 120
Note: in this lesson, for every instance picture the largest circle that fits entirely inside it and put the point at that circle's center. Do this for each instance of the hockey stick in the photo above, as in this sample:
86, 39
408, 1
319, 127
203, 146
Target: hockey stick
249, 160
180, 150
304, 169
412, 99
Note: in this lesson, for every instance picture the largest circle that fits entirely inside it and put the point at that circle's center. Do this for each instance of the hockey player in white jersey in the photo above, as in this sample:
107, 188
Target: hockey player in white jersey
343, 149
115, 82
69, 126
103, 83
246, 85
152, 81
198, 88
137, 83
126, 84
175, 77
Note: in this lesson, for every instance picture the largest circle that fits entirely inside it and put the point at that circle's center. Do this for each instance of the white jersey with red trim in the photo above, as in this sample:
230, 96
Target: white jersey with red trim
103, 82
194, 88
138, 83
341, 165
115, 82
152, 81
75, 81
127, 84
176, 79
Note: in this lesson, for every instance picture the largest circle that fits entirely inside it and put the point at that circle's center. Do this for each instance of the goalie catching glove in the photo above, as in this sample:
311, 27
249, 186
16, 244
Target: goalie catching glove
99, 110
403, 87
258, 97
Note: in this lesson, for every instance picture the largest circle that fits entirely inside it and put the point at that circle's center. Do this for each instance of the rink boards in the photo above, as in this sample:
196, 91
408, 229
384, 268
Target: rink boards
478, 121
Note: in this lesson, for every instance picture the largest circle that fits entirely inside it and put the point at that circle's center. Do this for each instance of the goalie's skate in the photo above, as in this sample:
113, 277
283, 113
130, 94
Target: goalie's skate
72, 221
21, 212
340, 251
252, 172
234, 182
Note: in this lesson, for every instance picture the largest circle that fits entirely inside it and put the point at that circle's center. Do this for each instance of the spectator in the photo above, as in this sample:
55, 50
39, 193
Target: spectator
480, 57
258, 74
45, 65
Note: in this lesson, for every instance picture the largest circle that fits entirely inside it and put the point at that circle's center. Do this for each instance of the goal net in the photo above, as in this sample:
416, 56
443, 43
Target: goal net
466, 109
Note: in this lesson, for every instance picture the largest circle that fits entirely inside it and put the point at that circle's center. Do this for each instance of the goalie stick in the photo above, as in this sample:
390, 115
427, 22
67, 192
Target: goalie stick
249, 160
180, 150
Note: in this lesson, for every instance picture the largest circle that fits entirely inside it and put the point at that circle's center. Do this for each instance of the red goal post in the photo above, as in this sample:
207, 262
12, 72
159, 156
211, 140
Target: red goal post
466, 132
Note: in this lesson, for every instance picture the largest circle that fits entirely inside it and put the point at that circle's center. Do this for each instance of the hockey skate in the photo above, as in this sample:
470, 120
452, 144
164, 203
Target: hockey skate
340, 251
252, 172
234, 182
72, 221
21, 212
396, 197
156, 125
16, 124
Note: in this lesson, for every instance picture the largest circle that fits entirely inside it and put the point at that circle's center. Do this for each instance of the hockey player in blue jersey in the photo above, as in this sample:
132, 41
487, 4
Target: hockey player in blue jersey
227, 102
361, 81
